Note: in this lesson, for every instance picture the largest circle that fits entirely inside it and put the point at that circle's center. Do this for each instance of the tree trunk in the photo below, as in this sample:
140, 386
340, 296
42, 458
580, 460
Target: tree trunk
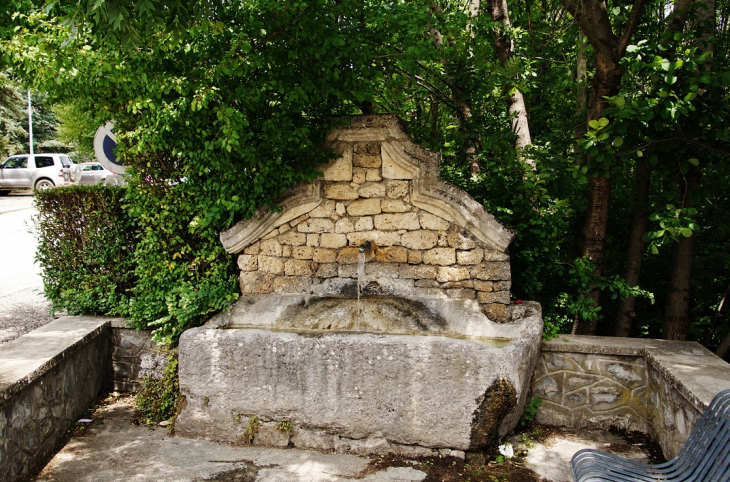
592, 17
724, 346
676, 311
625, 311
594, 238
635, 251
461, 99
499, 12
581, 74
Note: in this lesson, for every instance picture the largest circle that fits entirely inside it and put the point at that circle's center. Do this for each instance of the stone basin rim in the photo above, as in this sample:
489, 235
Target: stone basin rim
495, 342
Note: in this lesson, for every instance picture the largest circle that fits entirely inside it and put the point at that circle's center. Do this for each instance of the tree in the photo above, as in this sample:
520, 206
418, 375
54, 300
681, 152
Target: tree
499, 13
676, 315
640, 217
593, 20
219, 108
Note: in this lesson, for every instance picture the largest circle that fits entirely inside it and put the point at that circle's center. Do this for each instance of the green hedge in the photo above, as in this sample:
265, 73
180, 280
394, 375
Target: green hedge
86, 248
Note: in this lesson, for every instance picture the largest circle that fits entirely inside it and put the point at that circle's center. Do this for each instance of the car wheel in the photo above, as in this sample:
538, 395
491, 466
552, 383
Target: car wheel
43, 184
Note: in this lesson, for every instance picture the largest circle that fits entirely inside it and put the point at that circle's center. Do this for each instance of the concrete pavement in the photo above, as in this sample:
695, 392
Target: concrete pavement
113, 449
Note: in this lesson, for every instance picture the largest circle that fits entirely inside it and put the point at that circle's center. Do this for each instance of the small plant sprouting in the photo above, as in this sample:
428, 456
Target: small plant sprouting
527, 441
251, 431
530, 410
238, 419
206, 401
284, 426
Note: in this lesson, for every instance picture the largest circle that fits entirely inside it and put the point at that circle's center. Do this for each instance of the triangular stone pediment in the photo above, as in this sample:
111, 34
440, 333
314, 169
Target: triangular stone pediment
398, 161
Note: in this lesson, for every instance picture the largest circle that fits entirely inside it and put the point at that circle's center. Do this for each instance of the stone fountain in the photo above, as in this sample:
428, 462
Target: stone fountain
375, 315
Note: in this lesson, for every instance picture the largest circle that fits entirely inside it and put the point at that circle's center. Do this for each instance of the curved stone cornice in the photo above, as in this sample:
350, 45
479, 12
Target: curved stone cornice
297, 201
399, 152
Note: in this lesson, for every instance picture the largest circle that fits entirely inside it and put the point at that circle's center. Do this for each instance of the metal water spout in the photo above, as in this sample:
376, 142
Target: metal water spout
366, 245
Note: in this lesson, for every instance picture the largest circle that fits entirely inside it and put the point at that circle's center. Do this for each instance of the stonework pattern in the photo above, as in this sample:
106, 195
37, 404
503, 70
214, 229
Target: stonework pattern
656, 386
129, 348
367, 196
585, 390
36, 411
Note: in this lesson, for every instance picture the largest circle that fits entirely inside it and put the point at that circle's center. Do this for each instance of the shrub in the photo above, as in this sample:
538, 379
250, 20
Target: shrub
86, 246
158, 400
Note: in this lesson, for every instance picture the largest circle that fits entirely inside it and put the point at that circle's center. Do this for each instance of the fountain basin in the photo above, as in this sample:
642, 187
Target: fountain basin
375, 316
424, 385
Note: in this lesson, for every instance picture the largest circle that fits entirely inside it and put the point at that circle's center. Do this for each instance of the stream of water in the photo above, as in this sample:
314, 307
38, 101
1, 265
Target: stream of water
360, 279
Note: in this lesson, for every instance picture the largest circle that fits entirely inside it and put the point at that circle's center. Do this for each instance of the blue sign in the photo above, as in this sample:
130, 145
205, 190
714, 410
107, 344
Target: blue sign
104, 143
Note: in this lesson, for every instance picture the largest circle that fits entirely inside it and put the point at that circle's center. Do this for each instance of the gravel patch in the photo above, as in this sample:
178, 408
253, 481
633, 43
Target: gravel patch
22, 312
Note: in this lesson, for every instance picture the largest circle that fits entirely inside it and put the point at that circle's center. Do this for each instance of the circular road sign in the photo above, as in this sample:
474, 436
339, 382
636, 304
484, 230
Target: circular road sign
104, 143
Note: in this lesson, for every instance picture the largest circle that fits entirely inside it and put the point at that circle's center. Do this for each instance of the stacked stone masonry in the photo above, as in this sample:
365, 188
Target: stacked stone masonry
367, 197
48, 378
133, 352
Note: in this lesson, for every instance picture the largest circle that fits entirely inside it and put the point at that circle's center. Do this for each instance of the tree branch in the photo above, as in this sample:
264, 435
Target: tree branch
634, 17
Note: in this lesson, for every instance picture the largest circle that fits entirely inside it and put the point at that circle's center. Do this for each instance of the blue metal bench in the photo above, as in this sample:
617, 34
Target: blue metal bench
705, 457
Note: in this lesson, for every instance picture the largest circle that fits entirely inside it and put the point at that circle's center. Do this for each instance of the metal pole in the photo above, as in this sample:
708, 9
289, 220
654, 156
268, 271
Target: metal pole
30, 124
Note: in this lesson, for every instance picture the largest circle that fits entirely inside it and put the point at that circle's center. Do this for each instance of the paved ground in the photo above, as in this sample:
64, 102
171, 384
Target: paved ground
22, 305
113, 449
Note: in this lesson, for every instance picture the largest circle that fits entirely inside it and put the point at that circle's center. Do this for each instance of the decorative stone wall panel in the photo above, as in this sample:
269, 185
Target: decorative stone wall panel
655, 386
585, 390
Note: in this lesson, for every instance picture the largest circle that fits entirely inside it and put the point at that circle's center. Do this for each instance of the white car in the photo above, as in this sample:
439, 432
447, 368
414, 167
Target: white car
89, 173
33, 171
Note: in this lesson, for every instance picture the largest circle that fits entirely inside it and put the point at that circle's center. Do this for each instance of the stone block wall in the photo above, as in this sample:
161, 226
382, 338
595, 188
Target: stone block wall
670, 413
375, 192
597, 391
654, 386
134, 355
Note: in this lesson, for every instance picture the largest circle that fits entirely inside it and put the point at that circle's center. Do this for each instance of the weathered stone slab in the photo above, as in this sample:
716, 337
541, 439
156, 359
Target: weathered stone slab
364, 207
419, 239
339, 169
353, 386
394, 222
340, 190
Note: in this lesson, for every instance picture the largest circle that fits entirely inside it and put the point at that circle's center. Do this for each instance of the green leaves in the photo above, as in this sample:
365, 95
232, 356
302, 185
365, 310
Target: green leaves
672, 223
86, 244
598, 124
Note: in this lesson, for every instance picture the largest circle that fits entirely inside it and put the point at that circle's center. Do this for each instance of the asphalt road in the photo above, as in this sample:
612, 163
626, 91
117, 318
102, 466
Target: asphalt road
22, 305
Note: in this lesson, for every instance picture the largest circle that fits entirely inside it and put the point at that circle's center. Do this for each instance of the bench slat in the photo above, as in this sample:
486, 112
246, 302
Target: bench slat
705, 457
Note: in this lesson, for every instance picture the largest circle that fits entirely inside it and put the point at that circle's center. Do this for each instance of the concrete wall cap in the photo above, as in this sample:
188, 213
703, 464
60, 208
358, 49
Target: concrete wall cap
25, 359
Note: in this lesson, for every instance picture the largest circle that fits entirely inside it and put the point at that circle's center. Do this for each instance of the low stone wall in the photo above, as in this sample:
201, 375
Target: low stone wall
654, 386
134, 355
48, 378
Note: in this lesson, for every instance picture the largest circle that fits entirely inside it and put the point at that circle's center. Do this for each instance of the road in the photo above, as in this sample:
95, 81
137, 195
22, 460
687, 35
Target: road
22, 305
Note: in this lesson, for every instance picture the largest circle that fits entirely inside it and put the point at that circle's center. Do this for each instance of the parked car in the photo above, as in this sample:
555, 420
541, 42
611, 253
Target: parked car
89, 173
33, 171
